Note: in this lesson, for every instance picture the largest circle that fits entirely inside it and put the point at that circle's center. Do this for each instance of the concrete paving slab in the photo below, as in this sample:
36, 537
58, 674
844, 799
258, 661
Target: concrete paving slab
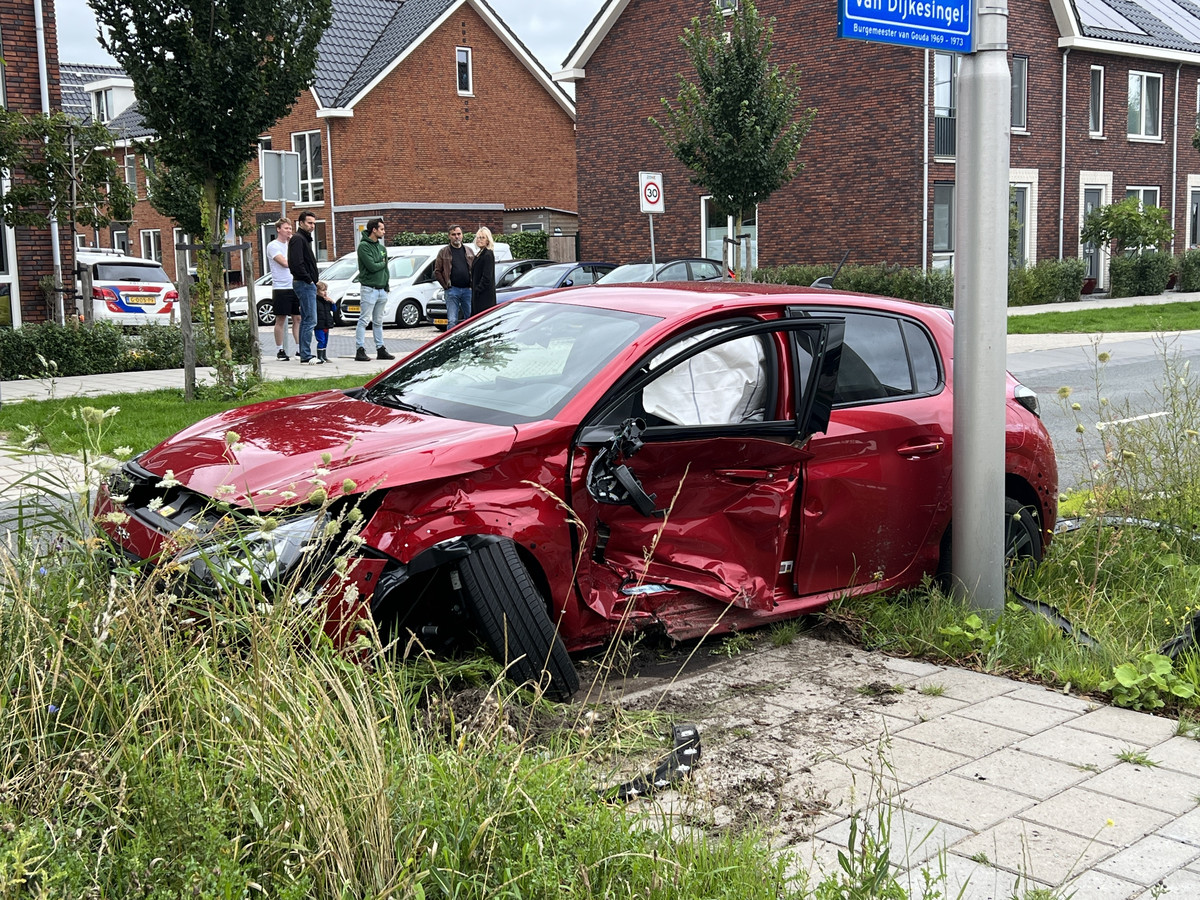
1172, 792
1097, 817
1077, 748
968, 879
904, 763
912, 705
912, 838
1017, 715
1185, 828
914, 667
1045, 696
1033, 850
1180, 754
1128, 725
967, 737
960, 801
963, 684
1149, 860
1026, 774
1095, 885
1183, 884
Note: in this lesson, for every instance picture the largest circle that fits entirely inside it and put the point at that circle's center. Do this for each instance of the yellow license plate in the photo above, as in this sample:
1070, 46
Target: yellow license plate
440, 321
142, 299
352, 307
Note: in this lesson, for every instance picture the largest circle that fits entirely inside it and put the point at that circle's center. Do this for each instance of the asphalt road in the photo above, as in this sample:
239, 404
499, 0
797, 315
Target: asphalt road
1130, 382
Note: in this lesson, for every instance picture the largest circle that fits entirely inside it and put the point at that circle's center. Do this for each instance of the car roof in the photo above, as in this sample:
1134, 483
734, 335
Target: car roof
691, 298
95, 256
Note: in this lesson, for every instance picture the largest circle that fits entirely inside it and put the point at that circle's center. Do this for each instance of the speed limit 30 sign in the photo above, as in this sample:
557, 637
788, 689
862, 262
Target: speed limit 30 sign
650, 192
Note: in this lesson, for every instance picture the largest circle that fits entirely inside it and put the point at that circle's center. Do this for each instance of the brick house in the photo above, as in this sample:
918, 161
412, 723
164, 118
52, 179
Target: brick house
25, 254
1104, 102
423, 112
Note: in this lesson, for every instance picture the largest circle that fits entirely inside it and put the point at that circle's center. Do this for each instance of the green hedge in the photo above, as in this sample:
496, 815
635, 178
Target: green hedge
104, 348
1189, 271
933, 286
524, 244
1050, 281
1139, 276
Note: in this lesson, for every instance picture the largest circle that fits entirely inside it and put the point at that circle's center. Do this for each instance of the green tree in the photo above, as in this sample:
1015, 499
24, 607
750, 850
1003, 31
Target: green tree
210, 77
63, 171
738, 126
1128, 227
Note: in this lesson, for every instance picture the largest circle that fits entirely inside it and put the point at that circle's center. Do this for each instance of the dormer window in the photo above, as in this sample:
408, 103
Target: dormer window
727, 7
102, 106
463, 65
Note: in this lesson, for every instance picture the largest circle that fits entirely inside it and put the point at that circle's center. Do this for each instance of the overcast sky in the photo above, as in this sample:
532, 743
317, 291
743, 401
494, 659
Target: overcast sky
549, 28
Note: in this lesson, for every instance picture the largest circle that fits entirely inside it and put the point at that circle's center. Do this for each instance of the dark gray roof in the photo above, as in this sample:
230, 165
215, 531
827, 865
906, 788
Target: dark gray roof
129, 124
1161, 24
73, 76
364, 38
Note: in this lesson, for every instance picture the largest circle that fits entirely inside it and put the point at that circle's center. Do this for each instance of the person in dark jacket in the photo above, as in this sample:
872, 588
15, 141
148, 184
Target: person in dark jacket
302, 263
325, 321
452, 269
483, 272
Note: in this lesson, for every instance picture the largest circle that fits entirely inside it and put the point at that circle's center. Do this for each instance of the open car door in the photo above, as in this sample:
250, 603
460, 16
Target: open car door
687, 477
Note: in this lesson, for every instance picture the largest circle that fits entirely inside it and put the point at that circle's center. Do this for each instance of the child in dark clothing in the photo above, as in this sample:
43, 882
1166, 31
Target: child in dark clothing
324, 321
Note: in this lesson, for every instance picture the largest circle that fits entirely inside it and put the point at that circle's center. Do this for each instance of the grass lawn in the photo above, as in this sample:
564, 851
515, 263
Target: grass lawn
145, 418
1167, 317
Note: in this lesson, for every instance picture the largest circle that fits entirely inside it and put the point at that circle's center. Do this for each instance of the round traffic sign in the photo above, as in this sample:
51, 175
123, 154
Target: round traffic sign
652, 193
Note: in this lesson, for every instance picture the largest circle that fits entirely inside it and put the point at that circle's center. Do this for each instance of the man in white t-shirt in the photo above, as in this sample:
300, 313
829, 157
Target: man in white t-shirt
283, 297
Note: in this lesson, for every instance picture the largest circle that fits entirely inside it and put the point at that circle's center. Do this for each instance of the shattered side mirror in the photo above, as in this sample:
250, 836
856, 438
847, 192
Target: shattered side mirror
609, 480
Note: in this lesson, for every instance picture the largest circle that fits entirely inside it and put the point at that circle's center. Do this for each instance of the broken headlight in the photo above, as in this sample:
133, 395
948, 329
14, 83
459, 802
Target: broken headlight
263, 555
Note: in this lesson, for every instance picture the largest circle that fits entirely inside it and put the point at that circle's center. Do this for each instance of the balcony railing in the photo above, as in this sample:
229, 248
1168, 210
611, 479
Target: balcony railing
944, 135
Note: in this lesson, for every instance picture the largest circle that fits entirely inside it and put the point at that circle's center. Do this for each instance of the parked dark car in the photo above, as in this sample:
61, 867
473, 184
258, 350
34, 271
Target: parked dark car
553, 276
506, 273
669, 270
566, 468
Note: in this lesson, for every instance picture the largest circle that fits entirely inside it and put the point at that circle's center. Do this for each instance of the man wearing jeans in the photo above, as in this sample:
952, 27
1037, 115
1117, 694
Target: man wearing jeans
373, 278
302, 263
453, 272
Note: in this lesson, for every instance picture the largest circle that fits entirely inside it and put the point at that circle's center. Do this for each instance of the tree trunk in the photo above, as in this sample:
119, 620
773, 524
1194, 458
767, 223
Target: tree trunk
216, 285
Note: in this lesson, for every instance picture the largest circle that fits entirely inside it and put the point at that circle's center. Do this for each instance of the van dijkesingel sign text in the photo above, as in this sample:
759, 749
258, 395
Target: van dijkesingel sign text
936, 24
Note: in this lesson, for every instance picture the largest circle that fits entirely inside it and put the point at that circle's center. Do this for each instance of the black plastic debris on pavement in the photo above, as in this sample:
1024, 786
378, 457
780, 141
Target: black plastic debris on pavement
671, 770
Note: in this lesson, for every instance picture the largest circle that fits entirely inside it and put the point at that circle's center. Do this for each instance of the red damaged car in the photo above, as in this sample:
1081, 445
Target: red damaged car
690, 458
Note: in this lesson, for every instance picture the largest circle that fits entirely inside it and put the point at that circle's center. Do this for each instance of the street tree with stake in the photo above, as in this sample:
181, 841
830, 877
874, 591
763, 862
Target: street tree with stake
210, 77
738, 126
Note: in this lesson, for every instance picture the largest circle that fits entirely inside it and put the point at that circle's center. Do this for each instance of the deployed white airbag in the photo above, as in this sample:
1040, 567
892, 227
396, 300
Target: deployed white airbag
723, 385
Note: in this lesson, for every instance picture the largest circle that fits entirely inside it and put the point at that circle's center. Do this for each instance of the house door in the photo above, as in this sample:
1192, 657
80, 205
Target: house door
1092, 198
266, 234
1193, 219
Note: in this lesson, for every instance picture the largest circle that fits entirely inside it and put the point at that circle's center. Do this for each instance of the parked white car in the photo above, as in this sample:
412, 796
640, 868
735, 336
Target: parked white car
127, 290
238, 303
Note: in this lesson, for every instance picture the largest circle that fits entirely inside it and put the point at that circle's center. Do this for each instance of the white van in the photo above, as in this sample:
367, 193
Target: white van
411, 284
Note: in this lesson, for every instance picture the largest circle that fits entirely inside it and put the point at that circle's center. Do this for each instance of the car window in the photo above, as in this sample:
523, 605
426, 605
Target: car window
880, 357
342, 270
512, 275
520, 364
120, 271
633, 272
674, 272
703, 270
542, 276
724, 385
582, 275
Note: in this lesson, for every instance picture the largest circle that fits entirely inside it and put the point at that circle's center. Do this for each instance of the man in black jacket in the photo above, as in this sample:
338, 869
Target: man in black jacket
302, 263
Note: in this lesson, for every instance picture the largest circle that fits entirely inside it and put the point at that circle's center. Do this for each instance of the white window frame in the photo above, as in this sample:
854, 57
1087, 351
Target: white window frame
1141, 190
131, 172
532, 226
102, 106
727, 7
464, 57
1144, 80
116, 241
1193, 185
301, 143
150, 244
1028, 179
1096, 103
178, 237
1021, 126
943, 256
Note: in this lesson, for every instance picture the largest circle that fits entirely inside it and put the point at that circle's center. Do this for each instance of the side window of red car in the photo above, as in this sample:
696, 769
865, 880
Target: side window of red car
884, 358
725, 385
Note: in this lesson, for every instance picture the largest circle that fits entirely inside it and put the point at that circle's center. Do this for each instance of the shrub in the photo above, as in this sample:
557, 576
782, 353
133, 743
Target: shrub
524, 244
935, 287
1189, 271
1139, 276
1050, 281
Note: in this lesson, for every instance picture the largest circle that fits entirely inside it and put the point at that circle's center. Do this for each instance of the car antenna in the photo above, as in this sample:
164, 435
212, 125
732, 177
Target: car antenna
826, 281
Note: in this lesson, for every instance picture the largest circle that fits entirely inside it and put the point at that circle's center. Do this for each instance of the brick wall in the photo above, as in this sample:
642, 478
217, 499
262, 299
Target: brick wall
861, 187
22, 93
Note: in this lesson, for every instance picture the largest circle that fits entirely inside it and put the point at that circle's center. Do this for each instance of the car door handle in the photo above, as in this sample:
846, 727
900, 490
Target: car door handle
921, 447
746, 474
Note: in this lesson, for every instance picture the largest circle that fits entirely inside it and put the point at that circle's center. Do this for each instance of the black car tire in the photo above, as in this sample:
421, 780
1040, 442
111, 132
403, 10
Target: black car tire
266, 314
409, 314
1022, 532
513, 620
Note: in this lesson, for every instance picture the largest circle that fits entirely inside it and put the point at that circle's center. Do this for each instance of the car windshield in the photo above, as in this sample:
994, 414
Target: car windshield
405, 266
543, 276
521, 363
130, 272
342, 270
630, 274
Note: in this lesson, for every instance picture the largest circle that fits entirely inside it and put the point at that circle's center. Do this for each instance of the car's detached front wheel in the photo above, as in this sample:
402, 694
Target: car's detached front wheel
512, 618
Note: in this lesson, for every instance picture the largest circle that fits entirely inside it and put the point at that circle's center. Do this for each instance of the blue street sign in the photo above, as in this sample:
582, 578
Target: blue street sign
928, 24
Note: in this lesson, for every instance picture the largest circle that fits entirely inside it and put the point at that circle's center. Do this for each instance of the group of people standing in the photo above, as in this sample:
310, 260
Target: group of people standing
468, 276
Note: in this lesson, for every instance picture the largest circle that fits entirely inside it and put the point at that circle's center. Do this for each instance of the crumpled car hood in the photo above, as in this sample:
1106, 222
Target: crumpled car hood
279, 452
